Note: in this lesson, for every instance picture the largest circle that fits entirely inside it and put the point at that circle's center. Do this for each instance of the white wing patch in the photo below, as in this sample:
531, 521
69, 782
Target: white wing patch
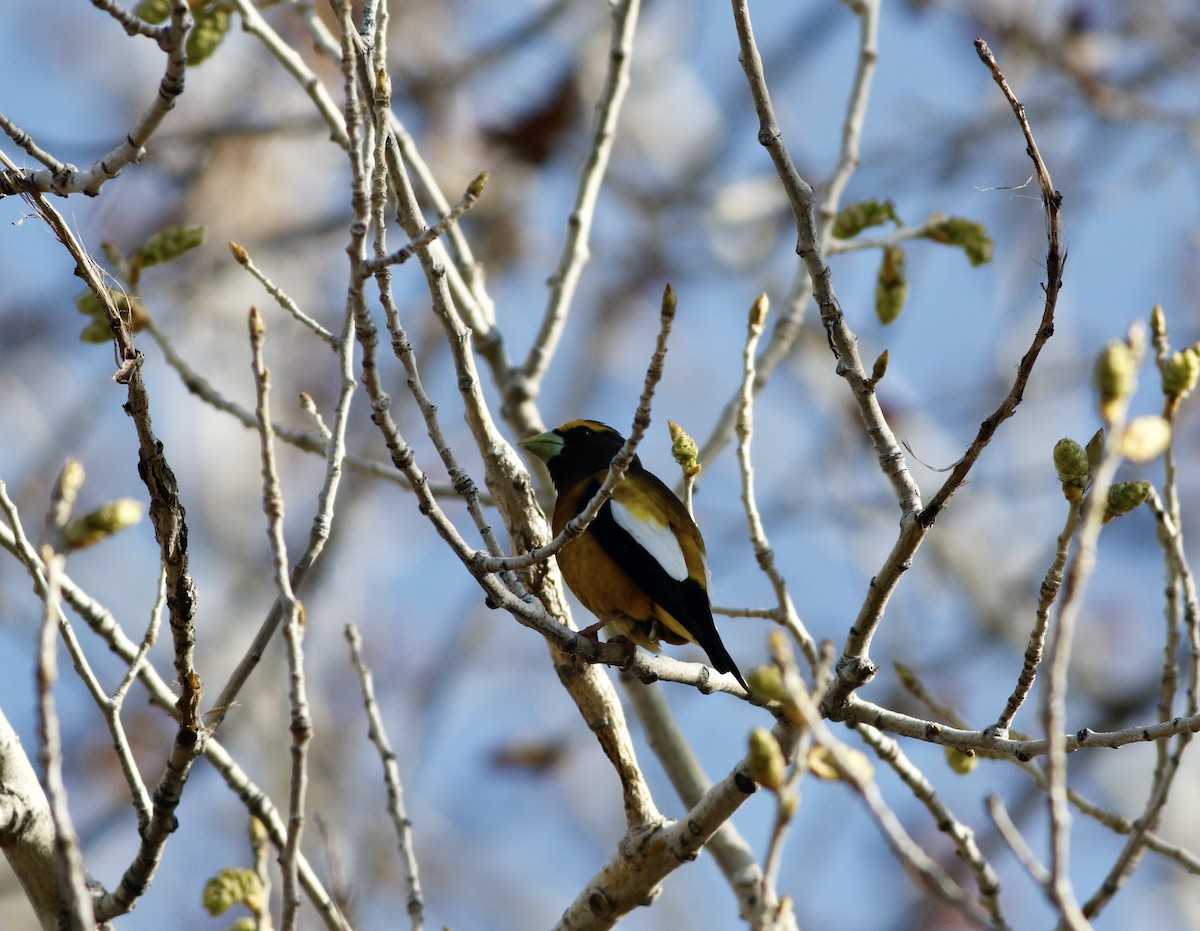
657, 539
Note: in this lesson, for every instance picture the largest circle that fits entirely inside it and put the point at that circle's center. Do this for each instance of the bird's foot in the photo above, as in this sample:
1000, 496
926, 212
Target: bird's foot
630, 649
593, 632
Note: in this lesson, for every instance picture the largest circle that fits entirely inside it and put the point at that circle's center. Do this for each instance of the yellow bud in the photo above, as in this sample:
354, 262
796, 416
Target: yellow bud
879, 369
824, 765
383, 88
475, 188
70, 479
1116, 378
767, 766
1071, 464
767, 682
233, 886
1145, 438
789, 803
962, 762
758, 311
103, 522
1123, 497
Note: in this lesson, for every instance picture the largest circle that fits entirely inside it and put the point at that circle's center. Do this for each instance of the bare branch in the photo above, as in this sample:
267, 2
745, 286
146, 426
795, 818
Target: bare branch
579, 224
391, 778
64, 179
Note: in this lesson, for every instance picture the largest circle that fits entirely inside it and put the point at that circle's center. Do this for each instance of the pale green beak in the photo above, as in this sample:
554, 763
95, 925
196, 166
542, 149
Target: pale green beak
544, 445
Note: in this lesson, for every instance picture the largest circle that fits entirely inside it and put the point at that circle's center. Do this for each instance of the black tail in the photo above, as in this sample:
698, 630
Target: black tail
720, 657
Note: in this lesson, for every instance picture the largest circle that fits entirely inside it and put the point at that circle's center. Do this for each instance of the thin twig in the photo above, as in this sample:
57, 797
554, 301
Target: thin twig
789, 321
281, 298
76, 909
403, 254
64, 179
377, 734
855, 668
293, 631
1055, 258
105, 626
1047, 594
579, 225
133, 25
109, 707
1179, 581
758, 534
294, 64
1012, 837
888, 750
1054, 697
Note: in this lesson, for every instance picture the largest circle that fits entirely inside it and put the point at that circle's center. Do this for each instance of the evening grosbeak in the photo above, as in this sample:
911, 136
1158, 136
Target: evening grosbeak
640, 566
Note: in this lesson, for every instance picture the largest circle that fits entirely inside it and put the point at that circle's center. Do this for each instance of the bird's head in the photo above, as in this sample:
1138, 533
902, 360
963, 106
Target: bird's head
576, 449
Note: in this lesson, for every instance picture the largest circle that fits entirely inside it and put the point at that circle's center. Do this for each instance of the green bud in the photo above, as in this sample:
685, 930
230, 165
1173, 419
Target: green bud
96, 331
1116, 378
684, 449
153, 11
1071, 464
891, 285
968, 235
89, 305
766, 763
1180, 372
233, 886
102, 522
168, 244
669, 300
212, 23
855, 218
962, 762
1123, 497
767, 682
879, 369
1158, 325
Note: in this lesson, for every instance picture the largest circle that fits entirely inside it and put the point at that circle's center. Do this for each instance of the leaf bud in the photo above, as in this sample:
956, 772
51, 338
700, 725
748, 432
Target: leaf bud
1123, 497
1116, 377
766, 763
1071, 464
103, 522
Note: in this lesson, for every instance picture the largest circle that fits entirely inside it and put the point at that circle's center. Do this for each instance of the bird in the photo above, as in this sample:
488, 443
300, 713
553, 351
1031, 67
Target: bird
641, 565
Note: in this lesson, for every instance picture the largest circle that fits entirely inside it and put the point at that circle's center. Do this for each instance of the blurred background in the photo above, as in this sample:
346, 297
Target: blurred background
514, 808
